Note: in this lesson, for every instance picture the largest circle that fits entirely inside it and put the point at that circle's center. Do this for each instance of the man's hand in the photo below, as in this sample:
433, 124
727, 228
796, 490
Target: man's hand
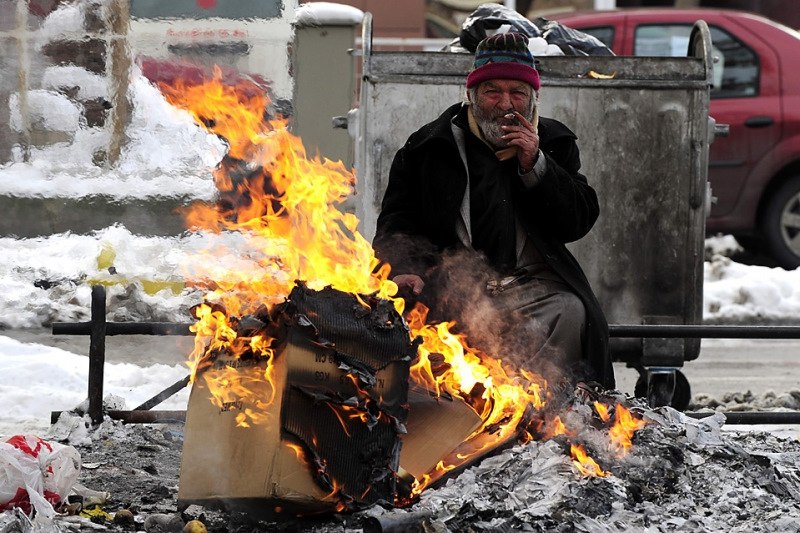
525, 137
409, 284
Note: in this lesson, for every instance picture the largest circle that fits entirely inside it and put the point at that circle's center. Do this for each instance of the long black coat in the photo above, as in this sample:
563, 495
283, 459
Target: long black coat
427, 183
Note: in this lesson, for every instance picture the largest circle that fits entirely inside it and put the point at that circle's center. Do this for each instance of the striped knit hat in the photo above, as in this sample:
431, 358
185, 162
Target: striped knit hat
504, 56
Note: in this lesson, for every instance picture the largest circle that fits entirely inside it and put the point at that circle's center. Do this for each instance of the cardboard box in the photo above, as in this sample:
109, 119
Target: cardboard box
339, 394
436, 427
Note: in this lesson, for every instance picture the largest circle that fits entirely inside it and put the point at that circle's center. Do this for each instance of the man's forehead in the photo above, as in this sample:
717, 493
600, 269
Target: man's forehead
507, 84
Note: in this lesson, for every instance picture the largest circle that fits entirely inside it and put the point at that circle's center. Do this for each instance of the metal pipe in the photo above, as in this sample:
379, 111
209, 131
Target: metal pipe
615, 330
125, 328
754, 417
395, 523
704, 331
147, 417
97, 353
732, 417
164, 394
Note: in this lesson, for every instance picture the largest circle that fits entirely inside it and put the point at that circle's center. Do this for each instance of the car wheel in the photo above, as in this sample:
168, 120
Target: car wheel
781, 224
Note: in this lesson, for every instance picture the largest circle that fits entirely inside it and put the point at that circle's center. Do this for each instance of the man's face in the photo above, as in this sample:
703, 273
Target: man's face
493, 100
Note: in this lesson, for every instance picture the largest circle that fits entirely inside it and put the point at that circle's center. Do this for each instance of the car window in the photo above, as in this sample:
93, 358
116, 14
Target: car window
604, 33
735, 70
202, 9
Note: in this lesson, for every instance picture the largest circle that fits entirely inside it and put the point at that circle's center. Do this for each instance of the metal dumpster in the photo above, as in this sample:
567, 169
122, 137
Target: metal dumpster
644, 133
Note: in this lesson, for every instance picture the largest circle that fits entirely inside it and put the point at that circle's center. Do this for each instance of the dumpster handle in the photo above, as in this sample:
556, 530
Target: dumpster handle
700, 47
366, 44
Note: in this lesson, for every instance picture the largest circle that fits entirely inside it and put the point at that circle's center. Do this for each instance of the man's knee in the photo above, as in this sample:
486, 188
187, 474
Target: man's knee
571, 313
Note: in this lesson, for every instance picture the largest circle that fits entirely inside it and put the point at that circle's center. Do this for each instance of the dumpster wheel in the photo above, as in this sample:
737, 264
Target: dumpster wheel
666, 387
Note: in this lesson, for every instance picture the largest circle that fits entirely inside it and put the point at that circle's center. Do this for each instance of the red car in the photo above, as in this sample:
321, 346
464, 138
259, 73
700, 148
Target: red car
755, 171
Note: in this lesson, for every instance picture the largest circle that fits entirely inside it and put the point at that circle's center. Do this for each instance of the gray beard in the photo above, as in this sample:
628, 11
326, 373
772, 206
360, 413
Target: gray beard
491, 126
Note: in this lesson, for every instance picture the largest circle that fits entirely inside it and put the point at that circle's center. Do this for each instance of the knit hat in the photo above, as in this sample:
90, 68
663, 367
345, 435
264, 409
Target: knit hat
504, 56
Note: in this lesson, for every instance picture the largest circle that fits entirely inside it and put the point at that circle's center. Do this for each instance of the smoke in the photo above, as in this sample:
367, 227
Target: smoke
458, 292
502, 325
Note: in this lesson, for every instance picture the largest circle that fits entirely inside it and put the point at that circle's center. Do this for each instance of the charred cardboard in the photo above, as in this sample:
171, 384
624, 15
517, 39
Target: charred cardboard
436, 426
225, 465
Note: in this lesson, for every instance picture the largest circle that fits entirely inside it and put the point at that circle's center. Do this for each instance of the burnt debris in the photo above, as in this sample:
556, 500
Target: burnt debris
336, 395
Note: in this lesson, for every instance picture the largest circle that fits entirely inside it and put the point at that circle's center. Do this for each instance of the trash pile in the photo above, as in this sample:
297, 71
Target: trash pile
681, 474
546, 37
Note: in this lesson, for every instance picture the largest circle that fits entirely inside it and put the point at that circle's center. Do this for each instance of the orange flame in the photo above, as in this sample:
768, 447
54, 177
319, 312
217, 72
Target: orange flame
555, 428
602, 411
585, 464
298, 451
288, 223
625, 425
499, 395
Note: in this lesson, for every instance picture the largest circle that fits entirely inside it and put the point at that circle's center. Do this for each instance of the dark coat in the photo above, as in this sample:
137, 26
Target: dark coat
426, 186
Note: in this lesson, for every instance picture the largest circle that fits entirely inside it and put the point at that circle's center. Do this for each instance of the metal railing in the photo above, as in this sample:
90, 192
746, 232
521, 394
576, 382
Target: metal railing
98, 329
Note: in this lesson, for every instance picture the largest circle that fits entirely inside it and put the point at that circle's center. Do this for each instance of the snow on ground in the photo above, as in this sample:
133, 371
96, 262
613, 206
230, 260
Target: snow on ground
36, 379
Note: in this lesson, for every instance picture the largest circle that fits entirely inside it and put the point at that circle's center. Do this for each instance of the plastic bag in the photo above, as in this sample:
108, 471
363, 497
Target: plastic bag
489, 19
571, 41
36, 474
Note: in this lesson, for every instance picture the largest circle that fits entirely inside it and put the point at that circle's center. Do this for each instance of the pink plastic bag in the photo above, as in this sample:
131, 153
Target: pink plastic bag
36, 474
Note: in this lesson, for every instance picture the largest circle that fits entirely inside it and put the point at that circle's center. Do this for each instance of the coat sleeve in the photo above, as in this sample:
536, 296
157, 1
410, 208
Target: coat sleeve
563, 203
399, 236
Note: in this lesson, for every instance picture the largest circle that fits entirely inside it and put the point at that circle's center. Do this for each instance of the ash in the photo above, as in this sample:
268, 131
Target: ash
681, 474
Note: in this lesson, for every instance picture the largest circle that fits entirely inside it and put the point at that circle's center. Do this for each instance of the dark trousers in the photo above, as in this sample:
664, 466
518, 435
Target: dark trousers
537, 324
552, 318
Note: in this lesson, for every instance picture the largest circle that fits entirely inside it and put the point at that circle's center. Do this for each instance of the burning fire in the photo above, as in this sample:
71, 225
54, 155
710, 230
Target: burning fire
585, 464
602, 411
625, 425
284, 208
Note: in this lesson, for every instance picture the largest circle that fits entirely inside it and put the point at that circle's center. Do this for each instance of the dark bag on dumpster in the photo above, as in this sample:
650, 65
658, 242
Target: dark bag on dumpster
488, 18
571, 41
491, 17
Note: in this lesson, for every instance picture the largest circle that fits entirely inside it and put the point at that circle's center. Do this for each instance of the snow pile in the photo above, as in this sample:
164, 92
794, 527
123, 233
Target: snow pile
48, 279
747, 401
737, 293
35, 380
166, 153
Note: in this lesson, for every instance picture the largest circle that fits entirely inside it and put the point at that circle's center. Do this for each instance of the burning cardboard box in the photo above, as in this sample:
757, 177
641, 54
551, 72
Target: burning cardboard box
315, 426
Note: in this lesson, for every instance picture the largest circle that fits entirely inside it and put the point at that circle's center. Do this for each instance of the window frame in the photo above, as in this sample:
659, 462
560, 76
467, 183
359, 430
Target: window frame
720, 93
